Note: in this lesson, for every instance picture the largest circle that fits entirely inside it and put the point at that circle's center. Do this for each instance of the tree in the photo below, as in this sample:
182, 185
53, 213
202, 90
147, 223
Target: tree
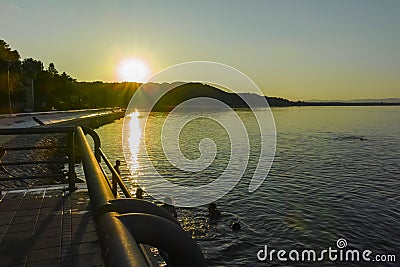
52, 69
51, 89
6, 54
31, 67
10, 80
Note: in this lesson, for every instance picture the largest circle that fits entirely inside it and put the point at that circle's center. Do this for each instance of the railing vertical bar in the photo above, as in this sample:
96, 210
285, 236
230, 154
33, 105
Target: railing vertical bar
106, 177
114, 185
115, 175
71, 162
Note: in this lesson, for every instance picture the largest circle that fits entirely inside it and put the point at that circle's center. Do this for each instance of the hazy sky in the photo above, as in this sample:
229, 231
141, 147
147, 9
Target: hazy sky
299, 49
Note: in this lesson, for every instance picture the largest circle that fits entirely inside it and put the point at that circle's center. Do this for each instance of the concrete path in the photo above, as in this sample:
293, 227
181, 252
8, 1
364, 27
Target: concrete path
48, 227
26, 120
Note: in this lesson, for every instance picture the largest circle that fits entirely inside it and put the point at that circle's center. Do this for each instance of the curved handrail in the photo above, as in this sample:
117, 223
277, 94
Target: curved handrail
96, 140
166, 235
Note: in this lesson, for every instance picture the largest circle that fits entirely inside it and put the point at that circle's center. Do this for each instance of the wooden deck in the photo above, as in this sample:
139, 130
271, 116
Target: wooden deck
47, 226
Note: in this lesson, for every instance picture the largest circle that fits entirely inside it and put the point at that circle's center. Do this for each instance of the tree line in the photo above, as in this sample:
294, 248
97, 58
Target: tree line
27, 85
24, 79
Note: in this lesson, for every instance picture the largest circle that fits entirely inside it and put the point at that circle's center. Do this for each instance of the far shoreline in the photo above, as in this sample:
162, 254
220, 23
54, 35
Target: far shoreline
355, 104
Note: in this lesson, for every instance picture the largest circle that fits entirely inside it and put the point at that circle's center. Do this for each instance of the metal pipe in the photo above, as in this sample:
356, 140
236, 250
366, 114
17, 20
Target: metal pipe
71, 163
115, 175
40, 130
98, 188
165, 235
96, 141
131, 205
40, 176
35, 162
114, 183
11, 148
119, 247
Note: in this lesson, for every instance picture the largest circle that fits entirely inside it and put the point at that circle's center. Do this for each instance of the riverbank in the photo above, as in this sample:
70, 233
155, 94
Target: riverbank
27, 120
57, 153
92, 121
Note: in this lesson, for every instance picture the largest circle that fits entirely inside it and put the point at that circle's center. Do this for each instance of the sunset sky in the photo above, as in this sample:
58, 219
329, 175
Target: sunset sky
299, 49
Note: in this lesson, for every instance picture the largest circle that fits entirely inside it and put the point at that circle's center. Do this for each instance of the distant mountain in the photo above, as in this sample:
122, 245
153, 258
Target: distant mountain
372, 100
182, 92
179, 92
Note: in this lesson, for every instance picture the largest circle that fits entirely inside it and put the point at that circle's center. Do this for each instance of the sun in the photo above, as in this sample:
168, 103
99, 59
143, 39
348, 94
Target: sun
133, 70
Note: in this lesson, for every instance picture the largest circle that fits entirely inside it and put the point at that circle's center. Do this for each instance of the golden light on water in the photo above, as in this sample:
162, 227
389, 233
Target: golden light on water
135, 135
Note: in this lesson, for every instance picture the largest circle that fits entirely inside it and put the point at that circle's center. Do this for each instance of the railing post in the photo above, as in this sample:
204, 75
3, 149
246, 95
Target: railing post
97, 152
115, 175
114, 185
71, 162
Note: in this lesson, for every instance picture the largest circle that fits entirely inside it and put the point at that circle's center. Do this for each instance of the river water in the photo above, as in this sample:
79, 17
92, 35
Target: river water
336, 174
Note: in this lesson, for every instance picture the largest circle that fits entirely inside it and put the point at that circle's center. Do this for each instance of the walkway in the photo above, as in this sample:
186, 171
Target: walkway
48, 227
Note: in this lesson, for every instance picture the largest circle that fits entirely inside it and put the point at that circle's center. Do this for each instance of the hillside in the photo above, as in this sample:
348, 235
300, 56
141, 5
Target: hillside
184, 92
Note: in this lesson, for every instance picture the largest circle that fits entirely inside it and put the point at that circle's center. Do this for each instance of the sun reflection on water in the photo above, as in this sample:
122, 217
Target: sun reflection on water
135, 135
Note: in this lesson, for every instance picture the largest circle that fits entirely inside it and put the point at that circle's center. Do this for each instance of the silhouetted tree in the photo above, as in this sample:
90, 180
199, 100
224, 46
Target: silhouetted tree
31, 67
9, 75
52, 69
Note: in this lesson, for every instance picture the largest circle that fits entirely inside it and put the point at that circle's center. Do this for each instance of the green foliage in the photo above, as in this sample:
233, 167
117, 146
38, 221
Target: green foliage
51, 89
10, 80
31, 67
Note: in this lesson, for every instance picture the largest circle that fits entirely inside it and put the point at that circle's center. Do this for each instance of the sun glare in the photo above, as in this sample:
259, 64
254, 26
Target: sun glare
133, 70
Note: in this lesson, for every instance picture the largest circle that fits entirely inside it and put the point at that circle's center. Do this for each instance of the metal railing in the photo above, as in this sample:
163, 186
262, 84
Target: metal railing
116, 178
124, 224
69, 156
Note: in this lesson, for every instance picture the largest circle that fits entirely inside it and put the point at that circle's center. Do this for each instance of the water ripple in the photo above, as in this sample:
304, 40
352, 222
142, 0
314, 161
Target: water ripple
330, 178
